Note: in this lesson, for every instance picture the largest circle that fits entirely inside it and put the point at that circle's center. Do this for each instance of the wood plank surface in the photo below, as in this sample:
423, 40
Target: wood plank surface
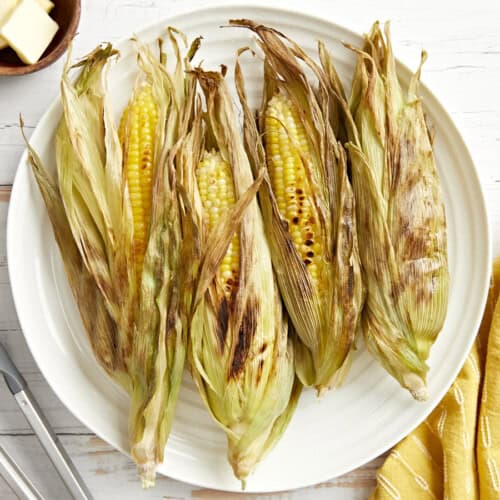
463, 70
112, 476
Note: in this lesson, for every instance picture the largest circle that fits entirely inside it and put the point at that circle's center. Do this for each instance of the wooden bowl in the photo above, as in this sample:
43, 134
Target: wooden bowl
66, 14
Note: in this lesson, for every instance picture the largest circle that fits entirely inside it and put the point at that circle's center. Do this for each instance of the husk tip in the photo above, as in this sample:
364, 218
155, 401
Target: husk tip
321, 391
417, 386
242, 468
147, 474
420, 394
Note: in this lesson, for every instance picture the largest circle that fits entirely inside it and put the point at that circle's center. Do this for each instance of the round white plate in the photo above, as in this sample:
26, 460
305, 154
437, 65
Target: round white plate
349, 426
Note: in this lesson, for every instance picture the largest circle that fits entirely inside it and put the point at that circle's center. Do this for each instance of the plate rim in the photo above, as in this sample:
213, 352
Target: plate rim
180, 9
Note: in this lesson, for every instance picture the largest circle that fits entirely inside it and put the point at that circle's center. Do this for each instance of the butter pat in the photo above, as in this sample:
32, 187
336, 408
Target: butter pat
29, 30
6, 7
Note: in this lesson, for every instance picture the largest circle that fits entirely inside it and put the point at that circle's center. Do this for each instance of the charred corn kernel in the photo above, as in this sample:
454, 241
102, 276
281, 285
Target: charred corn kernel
285, 134
215, 184
137, 131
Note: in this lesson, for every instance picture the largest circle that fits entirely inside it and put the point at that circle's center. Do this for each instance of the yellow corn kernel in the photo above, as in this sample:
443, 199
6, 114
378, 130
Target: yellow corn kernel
215, 184
138, 123
287, 147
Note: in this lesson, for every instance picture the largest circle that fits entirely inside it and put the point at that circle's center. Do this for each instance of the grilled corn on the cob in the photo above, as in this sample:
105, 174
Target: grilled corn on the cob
167, 283
124, 240
308, 209
241, 357
401, 216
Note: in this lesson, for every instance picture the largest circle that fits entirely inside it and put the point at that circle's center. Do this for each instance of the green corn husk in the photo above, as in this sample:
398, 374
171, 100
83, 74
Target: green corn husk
240, 354
325, 318
138, 333
400, 212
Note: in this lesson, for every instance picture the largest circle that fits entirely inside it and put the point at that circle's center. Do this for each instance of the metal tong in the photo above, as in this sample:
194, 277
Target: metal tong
15, 477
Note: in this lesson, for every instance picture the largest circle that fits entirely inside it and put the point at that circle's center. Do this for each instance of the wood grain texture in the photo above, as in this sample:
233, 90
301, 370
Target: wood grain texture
463, 71
112, 476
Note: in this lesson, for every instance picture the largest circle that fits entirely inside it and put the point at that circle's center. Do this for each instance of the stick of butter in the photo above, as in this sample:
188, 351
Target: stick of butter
29, 30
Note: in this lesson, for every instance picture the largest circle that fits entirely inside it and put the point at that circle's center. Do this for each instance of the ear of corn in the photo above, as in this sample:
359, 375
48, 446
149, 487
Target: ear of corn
401, 216
166, 286
241, 357
126, 242
308, 208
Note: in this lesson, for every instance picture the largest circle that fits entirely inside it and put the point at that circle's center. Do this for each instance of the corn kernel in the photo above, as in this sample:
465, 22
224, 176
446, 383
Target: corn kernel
217, 194
140, 119
289, 180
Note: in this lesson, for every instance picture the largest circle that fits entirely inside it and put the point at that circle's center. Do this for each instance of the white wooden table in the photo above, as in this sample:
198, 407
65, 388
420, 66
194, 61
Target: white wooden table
463, 70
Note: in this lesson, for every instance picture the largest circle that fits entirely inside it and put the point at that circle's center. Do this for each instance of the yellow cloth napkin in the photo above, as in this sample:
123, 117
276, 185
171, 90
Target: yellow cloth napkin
455, 453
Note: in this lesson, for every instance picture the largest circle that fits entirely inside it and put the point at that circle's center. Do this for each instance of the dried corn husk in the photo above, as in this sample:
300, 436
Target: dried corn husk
325, 317
400, 212
100, 327
88, 159
240, 353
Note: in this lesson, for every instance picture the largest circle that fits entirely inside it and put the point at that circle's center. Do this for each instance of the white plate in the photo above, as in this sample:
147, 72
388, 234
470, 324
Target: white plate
325, 439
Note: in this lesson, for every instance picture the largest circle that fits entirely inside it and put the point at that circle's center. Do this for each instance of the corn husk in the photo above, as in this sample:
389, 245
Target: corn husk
88, 160
159, 349
400, 212
325, 320
138, 332
100, 327
240, 353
